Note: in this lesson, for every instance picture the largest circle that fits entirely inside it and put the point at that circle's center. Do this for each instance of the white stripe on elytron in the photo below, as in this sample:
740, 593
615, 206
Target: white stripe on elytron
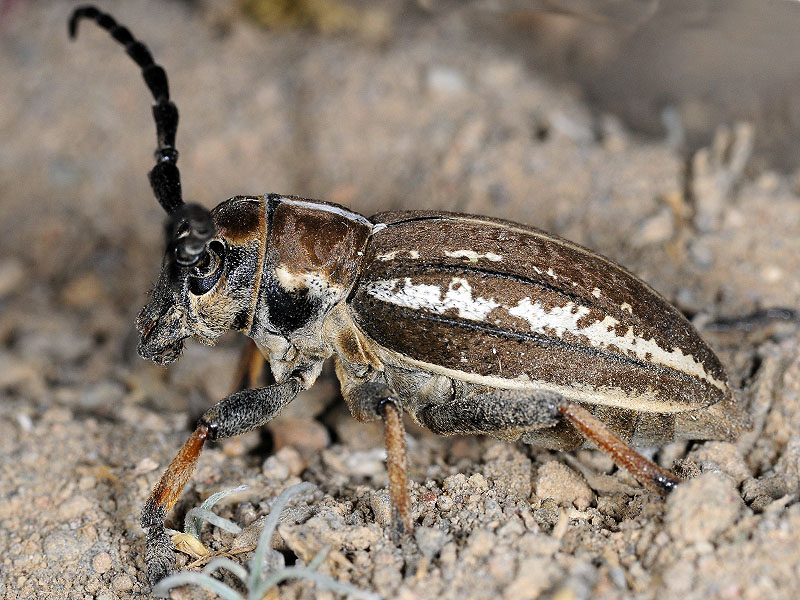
560, 319
472, 255
429, 297
394, 253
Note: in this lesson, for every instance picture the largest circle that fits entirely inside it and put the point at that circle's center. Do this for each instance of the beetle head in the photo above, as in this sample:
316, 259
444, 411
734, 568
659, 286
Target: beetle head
208, 278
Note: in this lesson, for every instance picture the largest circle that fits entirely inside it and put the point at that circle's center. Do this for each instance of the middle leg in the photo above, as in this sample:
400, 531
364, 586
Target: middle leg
368, 401
250, 369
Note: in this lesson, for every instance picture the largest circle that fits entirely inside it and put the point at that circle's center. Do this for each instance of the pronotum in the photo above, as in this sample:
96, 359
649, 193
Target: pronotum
468, 324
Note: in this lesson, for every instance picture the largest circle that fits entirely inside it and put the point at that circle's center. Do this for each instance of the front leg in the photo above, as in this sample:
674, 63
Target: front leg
238, 413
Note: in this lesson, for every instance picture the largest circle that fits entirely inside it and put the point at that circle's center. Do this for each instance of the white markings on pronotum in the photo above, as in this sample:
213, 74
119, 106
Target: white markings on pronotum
331, 208
626, 307
473, 256
596, 292
317, 284
559, 319
422, 296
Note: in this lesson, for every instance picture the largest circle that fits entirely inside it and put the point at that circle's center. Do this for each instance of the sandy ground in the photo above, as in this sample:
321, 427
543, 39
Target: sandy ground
405, 110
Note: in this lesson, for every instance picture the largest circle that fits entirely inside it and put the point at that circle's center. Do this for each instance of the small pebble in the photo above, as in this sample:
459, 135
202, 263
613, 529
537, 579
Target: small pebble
84, 292
25, 422
101, 562
547, 514
292, 459
655, 229
73, 507
430, 540
64, 546
700, 509
361, 538
454, 482
724, 456
275, 469
445, 503
306, 435
534, 575
93, 585
12, 275
241, 445
501, 567
356, 435
122, 583
145, 465
366, 463
557, 481
445, 80
509, 469
788, 465
87, 482
480, 543
478, 482
382, 508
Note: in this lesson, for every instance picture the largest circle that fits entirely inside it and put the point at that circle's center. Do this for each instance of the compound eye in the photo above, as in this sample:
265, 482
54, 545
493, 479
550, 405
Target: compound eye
206, 273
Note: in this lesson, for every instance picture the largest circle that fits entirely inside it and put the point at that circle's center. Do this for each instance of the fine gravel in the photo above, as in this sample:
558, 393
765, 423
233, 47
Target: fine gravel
408, 107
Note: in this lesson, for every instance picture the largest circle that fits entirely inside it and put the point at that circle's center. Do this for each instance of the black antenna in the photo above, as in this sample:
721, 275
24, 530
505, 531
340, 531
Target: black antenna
190, 226
165, 178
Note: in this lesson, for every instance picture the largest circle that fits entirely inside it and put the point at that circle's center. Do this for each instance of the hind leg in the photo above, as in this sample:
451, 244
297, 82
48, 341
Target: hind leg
646, 471
509, 413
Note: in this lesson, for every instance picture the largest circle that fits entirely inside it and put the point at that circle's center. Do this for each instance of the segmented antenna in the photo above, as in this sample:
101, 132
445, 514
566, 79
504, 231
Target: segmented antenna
190, 226
165, 178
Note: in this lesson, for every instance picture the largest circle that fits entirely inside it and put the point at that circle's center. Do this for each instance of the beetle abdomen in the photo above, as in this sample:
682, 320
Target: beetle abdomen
500, 304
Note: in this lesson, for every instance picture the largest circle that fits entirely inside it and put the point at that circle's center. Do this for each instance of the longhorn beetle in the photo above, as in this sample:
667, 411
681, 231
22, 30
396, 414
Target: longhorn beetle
469, 324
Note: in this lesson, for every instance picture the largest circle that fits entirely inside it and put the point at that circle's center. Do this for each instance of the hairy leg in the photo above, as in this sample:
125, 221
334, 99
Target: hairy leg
368, 401
646, 471
238, 413
250, 369
507, 413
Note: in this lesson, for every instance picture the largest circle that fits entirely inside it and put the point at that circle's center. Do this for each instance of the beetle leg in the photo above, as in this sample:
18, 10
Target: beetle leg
496, 413
250, 368
371, 400
238, 413
646, 471
397, 466
510, 412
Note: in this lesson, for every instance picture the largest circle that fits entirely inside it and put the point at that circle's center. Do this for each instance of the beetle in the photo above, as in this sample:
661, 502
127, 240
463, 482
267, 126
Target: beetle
468, 324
